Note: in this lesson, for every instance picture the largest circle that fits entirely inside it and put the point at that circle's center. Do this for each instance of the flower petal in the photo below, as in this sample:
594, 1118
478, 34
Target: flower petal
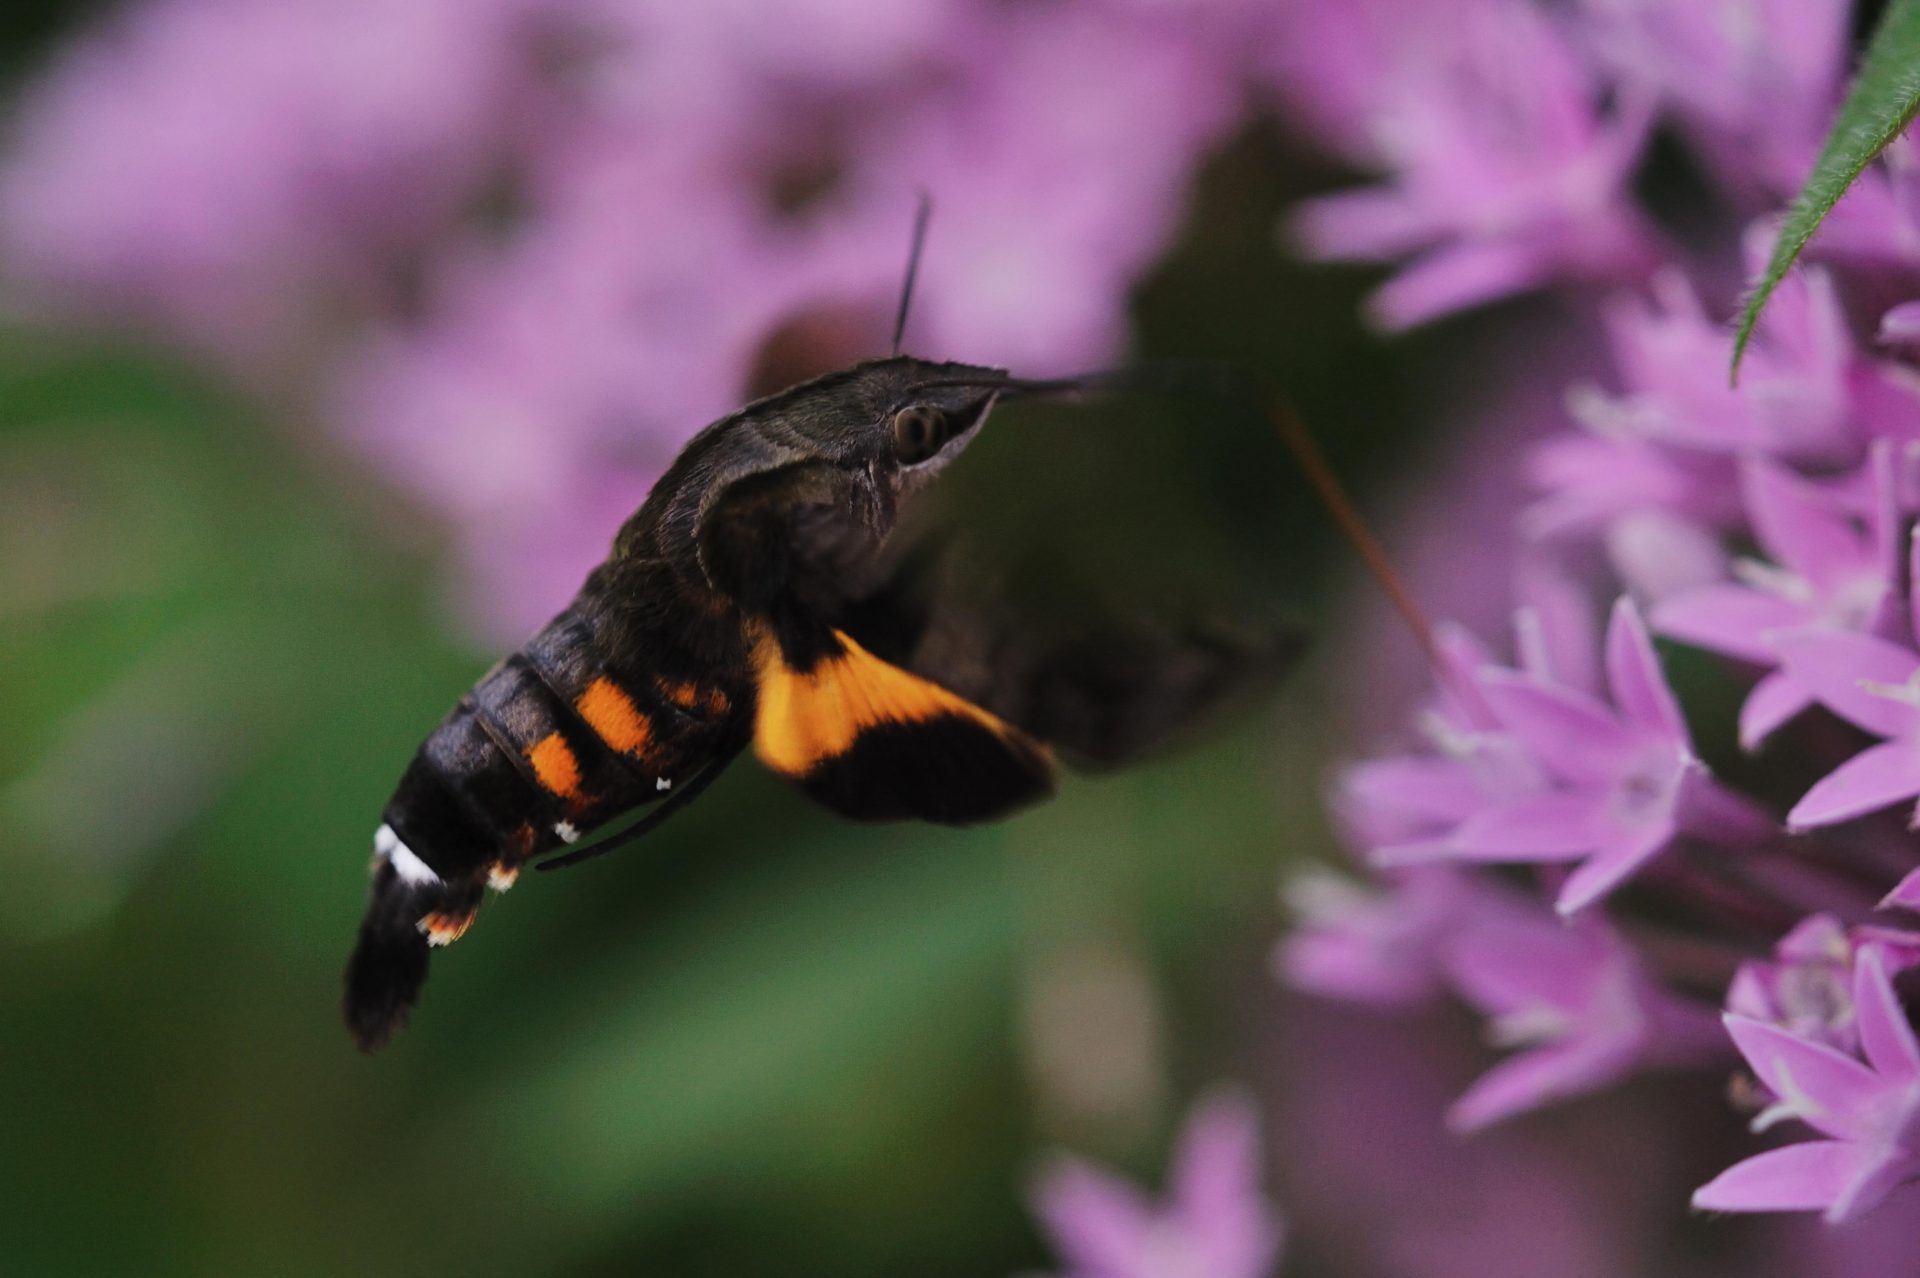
1571, 733
1419, 787
1615, 863
1540, 1077
1368, 224
1804, 1177
1562, 634
1886, 1036
1099, 1223
1773, 701
1878, 777
1219, 1151
1796, 528
1728, 619
1900, 323
1352, 969
1905, 894
1828, 1090
1658, 553
1834, 664
1870, 1185
1634, 675
1453, 278
1215, 1187
1545, 827
1523, 959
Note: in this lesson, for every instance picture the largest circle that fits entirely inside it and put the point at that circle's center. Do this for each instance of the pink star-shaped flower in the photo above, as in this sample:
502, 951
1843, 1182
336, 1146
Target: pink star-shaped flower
1866, 1105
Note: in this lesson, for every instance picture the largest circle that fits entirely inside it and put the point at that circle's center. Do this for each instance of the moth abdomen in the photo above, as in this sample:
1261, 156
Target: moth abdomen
582, 753
550, 744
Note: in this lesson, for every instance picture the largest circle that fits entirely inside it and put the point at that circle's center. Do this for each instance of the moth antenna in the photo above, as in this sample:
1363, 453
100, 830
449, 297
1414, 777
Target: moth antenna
922, 214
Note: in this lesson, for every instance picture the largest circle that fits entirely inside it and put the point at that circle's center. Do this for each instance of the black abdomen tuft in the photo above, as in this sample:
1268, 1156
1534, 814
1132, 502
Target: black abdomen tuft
389, 963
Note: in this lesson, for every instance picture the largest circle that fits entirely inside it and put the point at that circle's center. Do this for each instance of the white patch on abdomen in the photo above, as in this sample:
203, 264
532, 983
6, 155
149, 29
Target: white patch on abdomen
409, 867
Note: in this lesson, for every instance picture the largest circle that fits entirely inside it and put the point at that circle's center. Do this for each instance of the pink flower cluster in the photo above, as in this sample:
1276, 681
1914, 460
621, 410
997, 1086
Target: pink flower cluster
1548, 846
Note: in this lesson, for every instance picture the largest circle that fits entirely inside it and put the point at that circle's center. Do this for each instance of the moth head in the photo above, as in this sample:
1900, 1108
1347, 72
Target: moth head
901, 419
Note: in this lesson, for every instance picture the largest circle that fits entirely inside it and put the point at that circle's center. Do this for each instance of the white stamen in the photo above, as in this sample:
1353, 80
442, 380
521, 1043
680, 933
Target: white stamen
1614, 417
1907, 694
1793, 1103
1446, 738
1774, 580
663, 784
566, 832
409, 867
1774, 1113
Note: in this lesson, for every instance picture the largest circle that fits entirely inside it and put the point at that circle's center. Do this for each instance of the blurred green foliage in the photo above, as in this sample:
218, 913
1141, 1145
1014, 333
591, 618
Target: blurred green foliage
763, 1042
27, 25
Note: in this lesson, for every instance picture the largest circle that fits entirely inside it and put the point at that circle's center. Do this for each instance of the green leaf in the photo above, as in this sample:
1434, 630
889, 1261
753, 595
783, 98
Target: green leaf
1882, 100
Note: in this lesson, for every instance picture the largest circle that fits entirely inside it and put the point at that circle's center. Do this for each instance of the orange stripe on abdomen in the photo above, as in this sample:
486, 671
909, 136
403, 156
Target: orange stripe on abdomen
555, 766
610, 712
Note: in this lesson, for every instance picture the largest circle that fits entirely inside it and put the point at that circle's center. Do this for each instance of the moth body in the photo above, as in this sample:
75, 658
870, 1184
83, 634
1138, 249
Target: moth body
754, 598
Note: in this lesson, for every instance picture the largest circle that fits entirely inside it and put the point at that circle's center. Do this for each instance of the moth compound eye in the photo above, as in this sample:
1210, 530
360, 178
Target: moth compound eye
918, 432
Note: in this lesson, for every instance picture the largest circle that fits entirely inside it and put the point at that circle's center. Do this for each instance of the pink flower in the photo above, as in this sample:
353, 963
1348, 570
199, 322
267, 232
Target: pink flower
1806, 988
1215, 1222
1866, 1104
1622, 779
1380, 947
1667, 440
224, 168
1504, 173
1753, 82
1826, 572
1875, 685
1577, 1002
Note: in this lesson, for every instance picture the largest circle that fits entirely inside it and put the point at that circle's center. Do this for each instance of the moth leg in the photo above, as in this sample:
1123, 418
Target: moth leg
676, 799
